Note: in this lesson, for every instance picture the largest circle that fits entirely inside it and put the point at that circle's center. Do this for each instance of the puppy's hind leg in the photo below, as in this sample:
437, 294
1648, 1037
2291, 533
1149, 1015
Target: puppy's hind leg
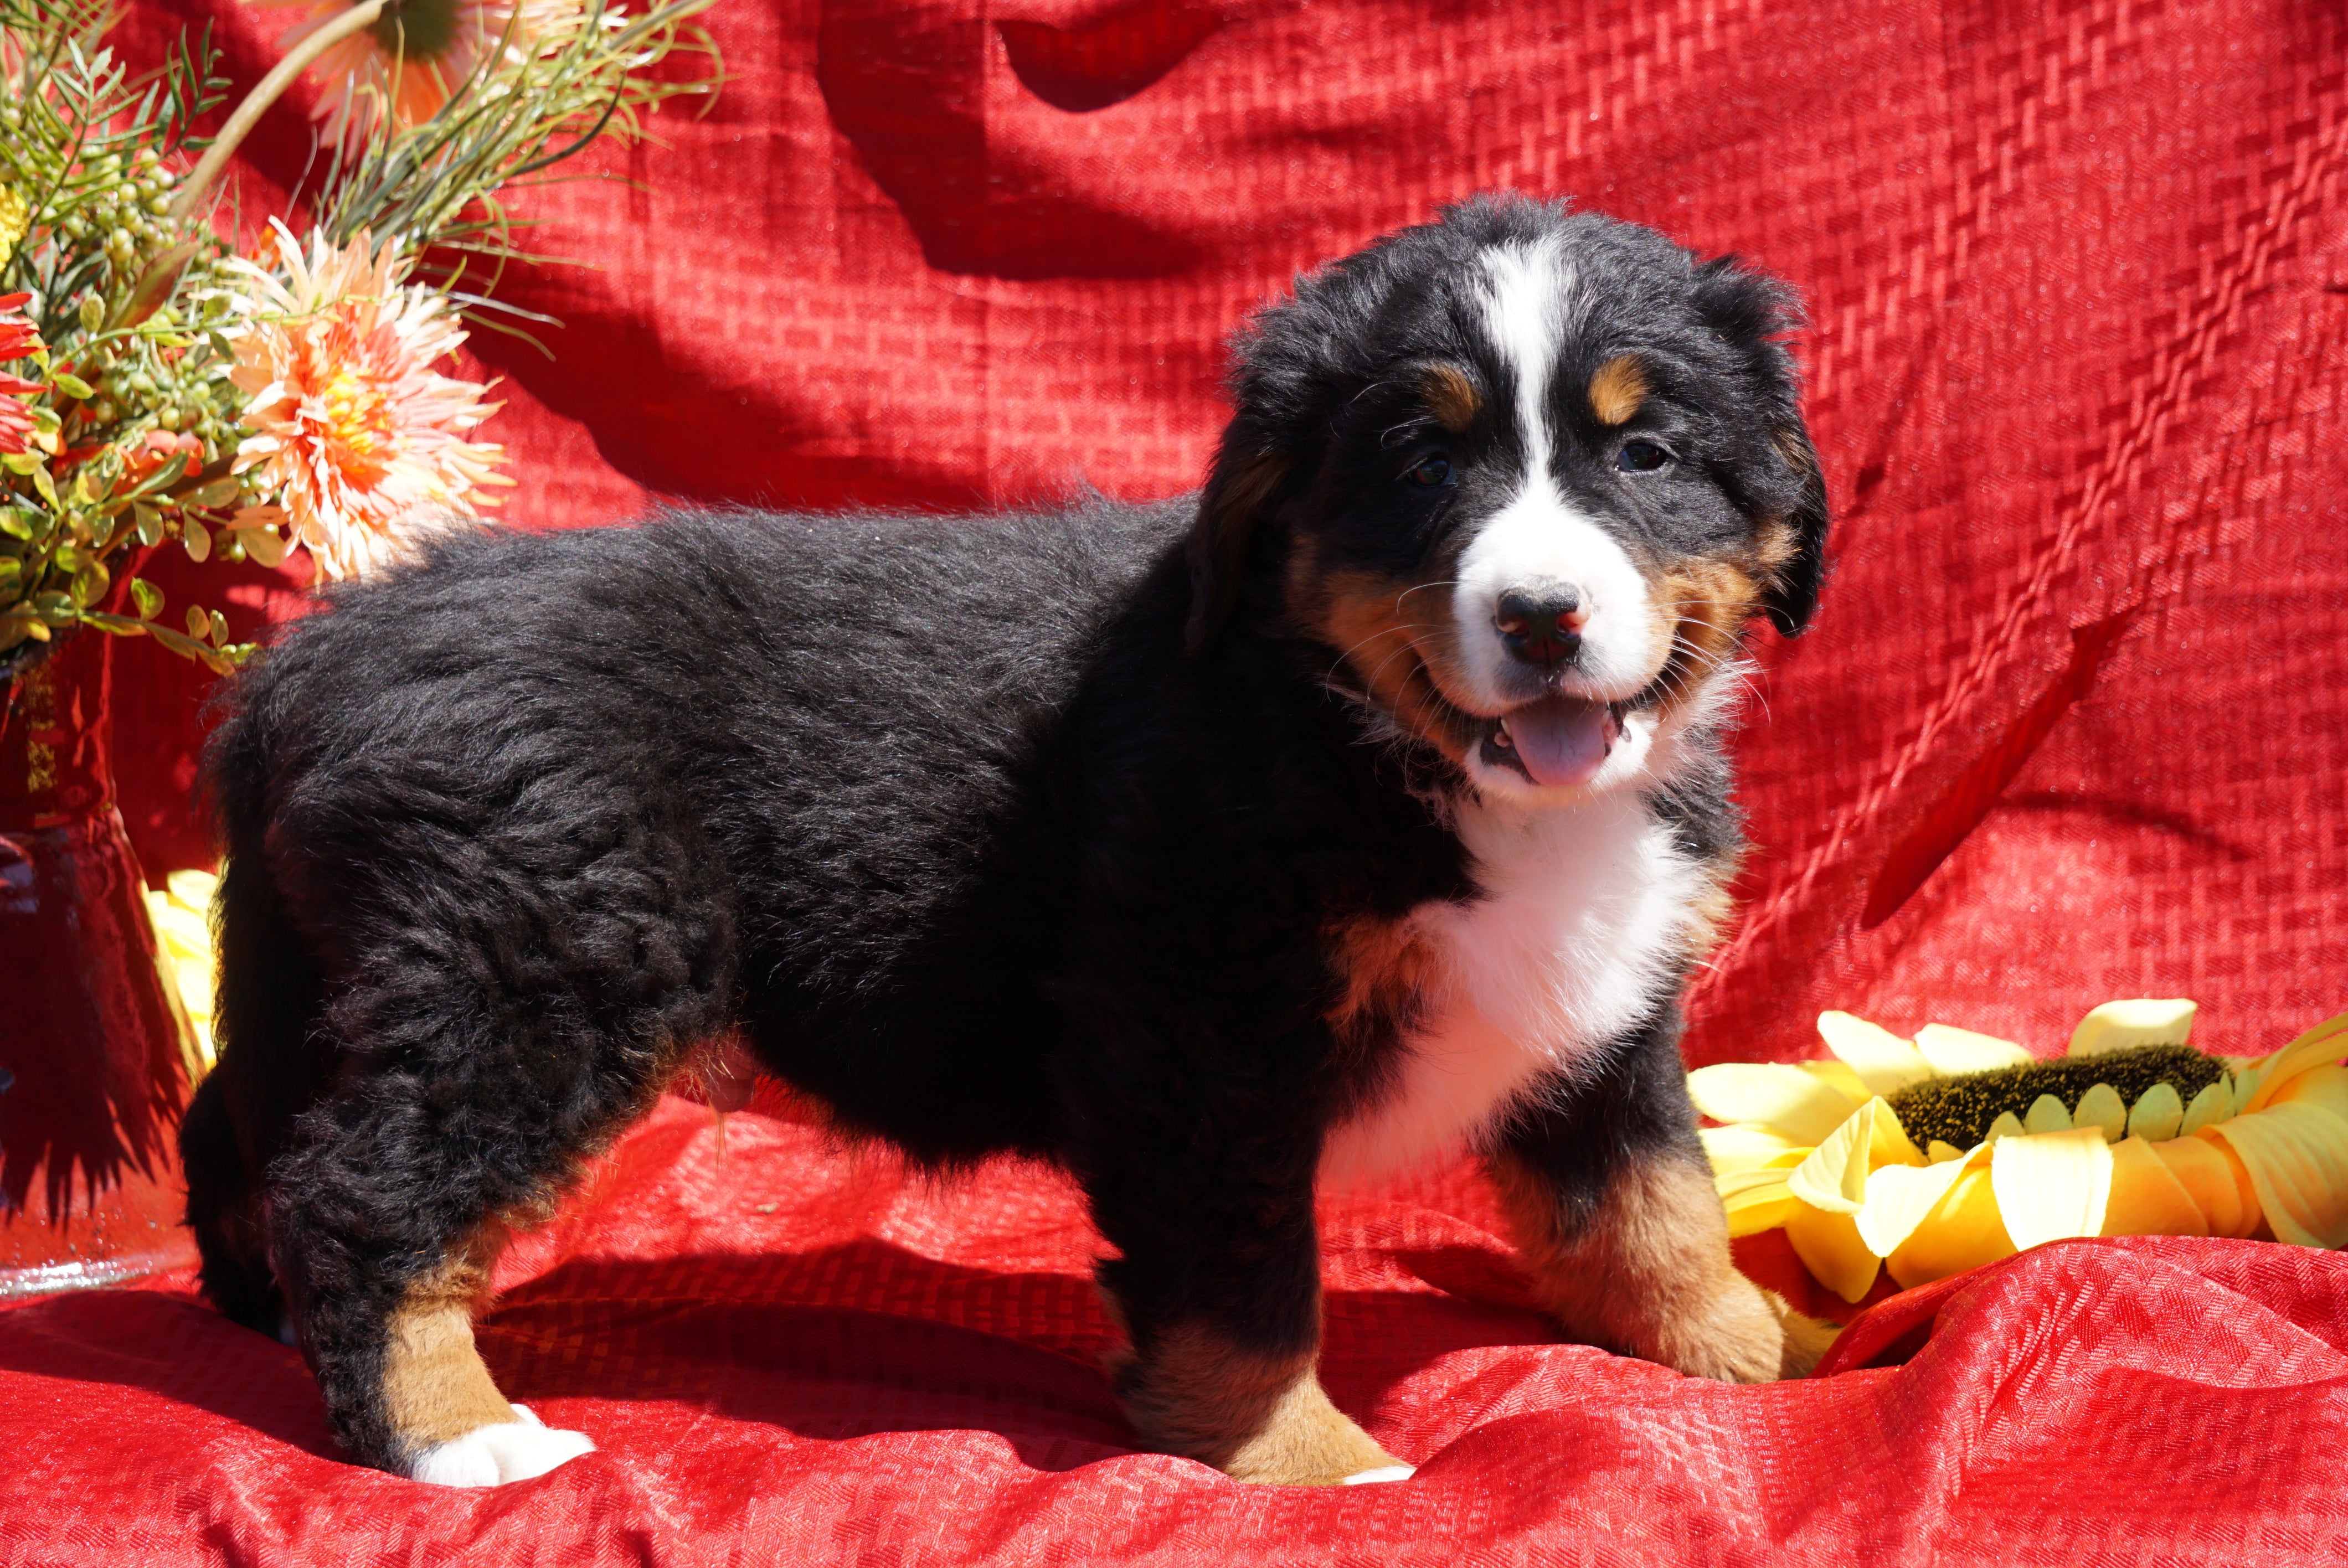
480, 1068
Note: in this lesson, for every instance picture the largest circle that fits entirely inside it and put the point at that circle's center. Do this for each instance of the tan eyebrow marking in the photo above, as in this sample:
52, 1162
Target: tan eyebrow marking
1617, 389
1451, 397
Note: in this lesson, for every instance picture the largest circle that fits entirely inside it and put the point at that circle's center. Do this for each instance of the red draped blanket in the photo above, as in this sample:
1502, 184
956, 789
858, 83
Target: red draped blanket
2072, 725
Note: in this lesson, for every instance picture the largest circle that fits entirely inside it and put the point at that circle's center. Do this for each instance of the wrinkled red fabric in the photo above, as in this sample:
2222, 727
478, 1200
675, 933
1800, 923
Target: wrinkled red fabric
788, 1354
2072, 725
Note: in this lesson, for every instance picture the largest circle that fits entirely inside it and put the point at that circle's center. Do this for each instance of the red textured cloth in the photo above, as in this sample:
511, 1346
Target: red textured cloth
2072, 725
788, 1356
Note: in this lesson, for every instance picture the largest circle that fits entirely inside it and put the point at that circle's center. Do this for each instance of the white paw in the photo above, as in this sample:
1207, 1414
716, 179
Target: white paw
1384, 1472
494, 1455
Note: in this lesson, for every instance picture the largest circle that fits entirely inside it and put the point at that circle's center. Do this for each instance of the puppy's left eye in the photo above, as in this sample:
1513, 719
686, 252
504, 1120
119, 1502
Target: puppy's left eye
1431, 471
1640, 457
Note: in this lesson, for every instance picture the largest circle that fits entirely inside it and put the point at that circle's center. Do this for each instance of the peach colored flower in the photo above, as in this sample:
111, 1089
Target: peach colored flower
362, 441
413, 59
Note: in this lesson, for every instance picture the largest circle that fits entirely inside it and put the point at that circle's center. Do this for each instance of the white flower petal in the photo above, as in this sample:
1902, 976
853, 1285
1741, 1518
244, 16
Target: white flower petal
1834, 1175
1744, 1147
1779, 1098
1884, 1062
1955, 1051
2051, 1185
1898, 1199
2119, 1026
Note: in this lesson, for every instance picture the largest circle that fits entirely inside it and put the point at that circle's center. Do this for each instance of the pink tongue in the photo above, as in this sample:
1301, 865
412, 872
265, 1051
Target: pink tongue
1562, 740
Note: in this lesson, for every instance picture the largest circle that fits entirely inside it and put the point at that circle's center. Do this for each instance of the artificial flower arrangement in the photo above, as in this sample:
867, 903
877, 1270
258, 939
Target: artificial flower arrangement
1929, 1157
157, 387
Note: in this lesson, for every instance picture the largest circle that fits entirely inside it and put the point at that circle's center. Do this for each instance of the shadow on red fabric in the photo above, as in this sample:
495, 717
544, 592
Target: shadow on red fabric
2072, 726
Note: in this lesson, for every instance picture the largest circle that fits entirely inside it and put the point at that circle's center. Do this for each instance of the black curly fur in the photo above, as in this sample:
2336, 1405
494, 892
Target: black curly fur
938, 813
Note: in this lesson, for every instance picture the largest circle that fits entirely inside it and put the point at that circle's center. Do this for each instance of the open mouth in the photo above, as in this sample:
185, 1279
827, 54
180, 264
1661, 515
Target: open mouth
1556, 741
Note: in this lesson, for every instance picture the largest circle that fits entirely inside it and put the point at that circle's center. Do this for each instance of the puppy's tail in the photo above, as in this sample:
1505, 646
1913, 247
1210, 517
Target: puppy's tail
268, 1070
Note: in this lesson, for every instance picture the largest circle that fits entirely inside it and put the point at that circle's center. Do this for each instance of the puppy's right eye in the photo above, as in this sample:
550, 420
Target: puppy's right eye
1429, 472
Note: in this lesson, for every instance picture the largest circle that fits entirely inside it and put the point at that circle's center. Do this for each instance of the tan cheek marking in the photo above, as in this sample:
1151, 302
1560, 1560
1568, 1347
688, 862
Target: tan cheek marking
434, 1384
1617, 389
1710, 912
1698, 609
1384, 969
1255, 1418
1648, 1273
1451, 397
1381, 627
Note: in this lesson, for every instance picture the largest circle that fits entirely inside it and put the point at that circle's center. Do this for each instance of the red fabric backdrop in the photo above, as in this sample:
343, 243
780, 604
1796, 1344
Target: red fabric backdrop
2072, 726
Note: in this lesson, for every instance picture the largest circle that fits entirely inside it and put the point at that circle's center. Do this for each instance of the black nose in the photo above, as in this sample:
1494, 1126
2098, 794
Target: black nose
1541, 626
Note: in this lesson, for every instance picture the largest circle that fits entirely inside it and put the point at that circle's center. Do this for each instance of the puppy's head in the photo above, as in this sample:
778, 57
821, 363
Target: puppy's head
1525, 477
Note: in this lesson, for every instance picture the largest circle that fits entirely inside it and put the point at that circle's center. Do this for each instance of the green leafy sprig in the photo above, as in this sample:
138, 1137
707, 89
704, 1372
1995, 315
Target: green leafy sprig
105, 195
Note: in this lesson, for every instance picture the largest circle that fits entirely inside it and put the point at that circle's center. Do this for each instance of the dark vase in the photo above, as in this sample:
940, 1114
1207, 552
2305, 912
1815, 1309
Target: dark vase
95, 1053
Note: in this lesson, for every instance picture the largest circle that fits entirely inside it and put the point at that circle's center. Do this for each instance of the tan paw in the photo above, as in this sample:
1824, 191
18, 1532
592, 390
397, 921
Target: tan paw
1308, 1441
1745, 1334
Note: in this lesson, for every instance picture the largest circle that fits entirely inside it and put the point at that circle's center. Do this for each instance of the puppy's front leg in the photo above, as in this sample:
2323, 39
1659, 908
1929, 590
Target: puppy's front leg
1611, 1200
1218, 1291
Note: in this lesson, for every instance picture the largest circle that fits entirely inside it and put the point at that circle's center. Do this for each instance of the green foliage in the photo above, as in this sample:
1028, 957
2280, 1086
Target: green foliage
104, 222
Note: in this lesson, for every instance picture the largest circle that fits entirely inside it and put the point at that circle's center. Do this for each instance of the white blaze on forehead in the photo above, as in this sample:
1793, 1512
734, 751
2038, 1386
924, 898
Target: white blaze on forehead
1539, 540
1524, 312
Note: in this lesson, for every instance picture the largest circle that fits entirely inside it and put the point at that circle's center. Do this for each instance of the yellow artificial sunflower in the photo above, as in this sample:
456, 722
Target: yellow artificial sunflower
1934, 1156
181, 912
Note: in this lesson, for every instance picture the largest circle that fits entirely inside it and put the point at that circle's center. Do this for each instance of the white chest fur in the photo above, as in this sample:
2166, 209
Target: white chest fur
1584, 908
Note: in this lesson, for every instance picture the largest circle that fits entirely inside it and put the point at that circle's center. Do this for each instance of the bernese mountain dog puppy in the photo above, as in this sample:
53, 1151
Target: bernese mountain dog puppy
1367, 808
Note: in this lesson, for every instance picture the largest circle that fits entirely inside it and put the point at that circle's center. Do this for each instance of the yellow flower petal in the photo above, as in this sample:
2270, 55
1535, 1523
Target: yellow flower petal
2102, 1106
2052, 1185
2147, 1198
1830, 1248
1842, 1078
1939, 1152
2297, 1155
1833, 1176
2326, 1042
2116, 1026
2007, 1126
192, 889
1784, 1100
2046, 1115
1884, 1062
1964, 1232
2217, 1183
2326, 1086
2214, 1103
195, 986
1747, 1148
185, 931
1954, 1050
1899, 1197
2160, 1112
1759, 1207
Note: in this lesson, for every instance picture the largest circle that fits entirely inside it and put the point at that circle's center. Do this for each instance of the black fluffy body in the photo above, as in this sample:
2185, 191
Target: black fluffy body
1015, 834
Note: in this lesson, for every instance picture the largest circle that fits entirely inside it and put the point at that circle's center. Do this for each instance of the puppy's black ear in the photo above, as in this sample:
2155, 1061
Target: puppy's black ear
1793, 593
1754, 315
1246, 476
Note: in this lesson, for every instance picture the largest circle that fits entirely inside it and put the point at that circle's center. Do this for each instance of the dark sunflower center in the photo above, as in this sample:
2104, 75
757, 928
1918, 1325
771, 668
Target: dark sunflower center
1959, 1110
417, 30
